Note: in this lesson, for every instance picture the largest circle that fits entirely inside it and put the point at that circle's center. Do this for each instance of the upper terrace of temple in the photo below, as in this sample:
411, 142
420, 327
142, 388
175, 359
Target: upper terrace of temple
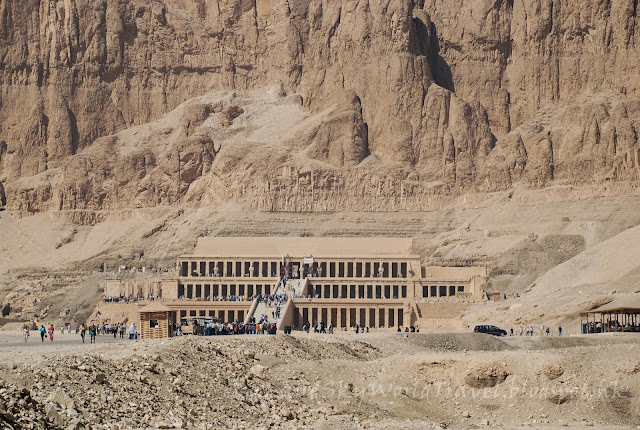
300, 247
274, 257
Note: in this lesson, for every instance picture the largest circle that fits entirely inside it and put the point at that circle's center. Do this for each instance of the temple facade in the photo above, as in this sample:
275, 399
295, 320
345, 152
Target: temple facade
370, 282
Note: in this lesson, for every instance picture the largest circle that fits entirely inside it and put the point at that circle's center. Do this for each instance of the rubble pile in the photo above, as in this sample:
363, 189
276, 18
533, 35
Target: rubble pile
196, 383
18, 410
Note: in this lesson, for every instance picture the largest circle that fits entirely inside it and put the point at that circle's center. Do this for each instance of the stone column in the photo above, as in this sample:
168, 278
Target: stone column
377, 317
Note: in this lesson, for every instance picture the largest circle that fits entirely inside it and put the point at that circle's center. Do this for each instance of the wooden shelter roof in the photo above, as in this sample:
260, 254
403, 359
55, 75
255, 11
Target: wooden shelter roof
154, 307
620, 310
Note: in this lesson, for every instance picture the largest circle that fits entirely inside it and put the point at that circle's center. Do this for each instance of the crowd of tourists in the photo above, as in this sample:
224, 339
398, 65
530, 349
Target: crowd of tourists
219, 328
268, 298
92, 330
318, 327
609, 326
530, 331
123, 299
271, 299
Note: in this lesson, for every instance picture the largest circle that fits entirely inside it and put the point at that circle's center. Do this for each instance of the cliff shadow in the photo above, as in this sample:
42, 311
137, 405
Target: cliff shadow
428, 45
75, 134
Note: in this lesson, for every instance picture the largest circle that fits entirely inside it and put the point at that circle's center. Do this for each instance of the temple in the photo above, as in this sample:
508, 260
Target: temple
341, 281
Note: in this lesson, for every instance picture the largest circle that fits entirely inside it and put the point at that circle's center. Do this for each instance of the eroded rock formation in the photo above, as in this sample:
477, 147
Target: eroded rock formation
378, 105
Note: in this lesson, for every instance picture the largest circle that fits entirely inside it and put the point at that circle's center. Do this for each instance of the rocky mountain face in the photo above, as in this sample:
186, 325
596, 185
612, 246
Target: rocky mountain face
313, 105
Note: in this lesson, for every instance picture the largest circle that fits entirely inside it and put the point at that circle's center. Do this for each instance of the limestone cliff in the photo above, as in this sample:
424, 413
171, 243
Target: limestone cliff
377, 104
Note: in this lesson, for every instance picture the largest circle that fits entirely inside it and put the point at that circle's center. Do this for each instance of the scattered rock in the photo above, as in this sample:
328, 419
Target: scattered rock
559, 398
62, 399
53, 416
100, 378
553, 371
229, 114
286, 413
487, 375
258, 370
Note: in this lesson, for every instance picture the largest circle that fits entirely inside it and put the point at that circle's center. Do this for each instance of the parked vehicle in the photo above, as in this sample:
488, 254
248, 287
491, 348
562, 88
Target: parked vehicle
195, 325
490, 329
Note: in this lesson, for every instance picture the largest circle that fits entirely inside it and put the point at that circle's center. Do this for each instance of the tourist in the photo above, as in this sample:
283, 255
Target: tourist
51, 330
43, 332
132, 331
69, 329
559, 331
511, 332
548, 331
82, 332
93, 330
25, 333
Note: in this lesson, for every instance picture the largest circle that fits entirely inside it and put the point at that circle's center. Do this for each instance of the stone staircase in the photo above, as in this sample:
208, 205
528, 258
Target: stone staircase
261, 308
295, 287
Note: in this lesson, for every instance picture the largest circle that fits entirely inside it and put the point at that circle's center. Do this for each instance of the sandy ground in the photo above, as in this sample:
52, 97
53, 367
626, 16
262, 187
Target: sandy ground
381, 380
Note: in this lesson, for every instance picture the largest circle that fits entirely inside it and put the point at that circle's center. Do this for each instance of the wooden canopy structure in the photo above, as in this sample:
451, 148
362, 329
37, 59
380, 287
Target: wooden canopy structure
621, 319
156, 321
